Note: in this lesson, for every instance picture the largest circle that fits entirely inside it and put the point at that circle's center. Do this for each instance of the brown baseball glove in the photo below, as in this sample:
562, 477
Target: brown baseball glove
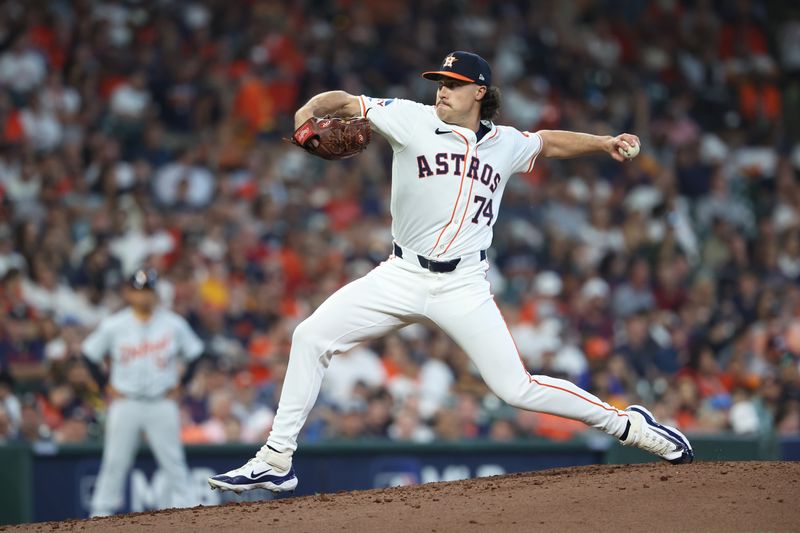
337, 138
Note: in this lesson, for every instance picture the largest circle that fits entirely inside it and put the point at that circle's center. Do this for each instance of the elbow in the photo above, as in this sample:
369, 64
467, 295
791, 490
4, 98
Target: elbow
335, 103
334, 100
348, 105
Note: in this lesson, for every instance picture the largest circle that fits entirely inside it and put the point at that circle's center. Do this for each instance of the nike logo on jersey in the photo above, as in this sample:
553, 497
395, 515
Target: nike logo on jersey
442, 132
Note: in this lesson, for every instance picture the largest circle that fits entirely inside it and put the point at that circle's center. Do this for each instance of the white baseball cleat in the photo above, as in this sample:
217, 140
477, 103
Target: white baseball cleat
267, 470
664, 441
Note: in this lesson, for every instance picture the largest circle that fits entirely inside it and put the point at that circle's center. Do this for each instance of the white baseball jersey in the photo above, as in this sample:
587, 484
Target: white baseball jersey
144, 355
446, 185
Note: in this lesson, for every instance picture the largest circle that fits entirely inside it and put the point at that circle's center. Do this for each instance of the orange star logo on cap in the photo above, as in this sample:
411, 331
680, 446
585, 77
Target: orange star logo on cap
448, 61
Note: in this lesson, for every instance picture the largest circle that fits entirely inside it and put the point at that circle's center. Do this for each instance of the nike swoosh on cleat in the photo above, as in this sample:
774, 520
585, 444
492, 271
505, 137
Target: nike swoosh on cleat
443, 131
254, 475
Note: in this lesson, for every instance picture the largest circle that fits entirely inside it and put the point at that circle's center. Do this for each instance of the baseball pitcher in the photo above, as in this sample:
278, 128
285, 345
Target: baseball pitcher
145, 344
450, 167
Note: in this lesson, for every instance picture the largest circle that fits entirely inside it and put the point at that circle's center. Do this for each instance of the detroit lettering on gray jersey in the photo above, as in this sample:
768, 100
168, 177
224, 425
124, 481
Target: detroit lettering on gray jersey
145, 356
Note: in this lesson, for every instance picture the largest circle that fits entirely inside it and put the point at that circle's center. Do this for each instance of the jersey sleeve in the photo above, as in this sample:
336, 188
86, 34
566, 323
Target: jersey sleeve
393, 118
98, 343
528, 147
190, 345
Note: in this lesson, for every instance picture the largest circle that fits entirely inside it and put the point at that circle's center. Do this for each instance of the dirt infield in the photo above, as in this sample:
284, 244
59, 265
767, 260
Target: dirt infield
705, 496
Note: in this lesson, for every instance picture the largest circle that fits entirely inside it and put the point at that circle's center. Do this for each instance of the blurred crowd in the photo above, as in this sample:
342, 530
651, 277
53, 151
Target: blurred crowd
149, 134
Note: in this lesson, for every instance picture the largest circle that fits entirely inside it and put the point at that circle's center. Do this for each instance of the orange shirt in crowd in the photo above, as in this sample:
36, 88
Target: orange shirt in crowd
557, 428
760, 101
253, 105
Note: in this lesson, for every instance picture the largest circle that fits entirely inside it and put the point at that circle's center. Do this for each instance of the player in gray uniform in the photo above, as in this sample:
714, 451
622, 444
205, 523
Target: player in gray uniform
145, 344
450, 166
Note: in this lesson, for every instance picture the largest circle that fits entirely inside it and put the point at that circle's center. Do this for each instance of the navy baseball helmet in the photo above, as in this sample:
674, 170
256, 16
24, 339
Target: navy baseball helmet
143, 279
464, 66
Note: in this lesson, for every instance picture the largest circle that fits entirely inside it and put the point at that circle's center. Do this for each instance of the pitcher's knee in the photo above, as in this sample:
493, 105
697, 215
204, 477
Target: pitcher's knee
308, 339
513, 399
516, 395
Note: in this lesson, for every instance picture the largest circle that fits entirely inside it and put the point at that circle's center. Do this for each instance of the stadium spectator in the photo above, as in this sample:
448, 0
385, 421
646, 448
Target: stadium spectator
10, 406
22, 68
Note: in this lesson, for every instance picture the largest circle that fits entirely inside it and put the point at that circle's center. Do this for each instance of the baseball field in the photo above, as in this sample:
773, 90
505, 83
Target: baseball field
704, 496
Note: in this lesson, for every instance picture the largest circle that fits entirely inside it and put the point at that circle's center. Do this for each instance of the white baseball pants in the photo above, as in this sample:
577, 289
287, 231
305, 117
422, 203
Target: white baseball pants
127, 418
399, 292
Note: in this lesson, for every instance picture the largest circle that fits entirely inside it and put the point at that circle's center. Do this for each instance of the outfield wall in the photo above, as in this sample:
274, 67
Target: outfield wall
55, 483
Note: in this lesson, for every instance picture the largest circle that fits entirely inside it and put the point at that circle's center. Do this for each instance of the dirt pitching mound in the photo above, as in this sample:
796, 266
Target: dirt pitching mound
704, 496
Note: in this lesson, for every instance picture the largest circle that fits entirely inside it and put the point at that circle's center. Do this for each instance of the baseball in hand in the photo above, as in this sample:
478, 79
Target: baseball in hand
630, 152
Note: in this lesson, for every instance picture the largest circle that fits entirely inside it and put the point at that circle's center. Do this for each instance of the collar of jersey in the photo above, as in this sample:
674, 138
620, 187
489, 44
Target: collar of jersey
470, 135
466, 132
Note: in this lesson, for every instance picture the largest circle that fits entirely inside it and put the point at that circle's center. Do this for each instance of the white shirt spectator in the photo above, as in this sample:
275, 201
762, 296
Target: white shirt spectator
525, 106
128, 101
135, 246
727, 207
789, 263
7, 429
13, 409
62, 302
199, 184
628, 299
9, 258
602, 240
566, 219
60, 99
22, 71
41, 127
123, 172
408, 427
56, 349
534, 340
743, 417
570, 360
347, 369
785, 215
256, 425
789, 43
681, 222
602, 46
435, 380
403, 388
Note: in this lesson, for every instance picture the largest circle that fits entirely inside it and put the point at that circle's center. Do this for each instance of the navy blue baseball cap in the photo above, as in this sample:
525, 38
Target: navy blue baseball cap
464, 66
143, 279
